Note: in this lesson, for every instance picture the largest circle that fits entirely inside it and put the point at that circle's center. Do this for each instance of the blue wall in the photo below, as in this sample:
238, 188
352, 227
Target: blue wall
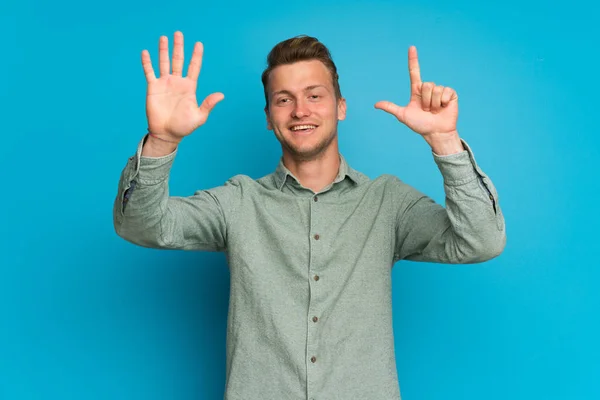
85, 315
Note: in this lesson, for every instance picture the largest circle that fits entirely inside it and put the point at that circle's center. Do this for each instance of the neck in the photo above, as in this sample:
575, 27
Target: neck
316, 173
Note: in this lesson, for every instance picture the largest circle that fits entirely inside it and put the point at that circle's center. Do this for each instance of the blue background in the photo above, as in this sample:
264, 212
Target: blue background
86, 315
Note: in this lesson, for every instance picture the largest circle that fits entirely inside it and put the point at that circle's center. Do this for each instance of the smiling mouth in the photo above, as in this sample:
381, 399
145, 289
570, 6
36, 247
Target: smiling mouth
303, 129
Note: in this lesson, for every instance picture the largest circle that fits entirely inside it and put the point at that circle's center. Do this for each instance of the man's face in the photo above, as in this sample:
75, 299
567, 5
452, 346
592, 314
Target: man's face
303, 111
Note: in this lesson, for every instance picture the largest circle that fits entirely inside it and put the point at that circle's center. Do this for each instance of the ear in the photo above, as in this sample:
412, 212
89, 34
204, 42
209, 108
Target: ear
267, 115
341, 108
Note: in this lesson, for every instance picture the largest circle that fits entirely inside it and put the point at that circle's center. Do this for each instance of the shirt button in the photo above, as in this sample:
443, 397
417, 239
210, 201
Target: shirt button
316, 198
315, 319
316, 278
313, 359
317, 236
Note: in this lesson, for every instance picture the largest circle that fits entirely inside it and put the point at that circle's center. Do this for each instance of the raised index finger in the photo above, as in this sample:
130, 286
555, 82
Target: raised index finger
413, 66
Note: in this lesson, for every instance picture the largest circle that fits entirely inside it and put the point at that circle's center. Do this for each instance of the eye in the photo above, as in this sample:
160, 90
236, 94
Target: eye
314, 96
283, 100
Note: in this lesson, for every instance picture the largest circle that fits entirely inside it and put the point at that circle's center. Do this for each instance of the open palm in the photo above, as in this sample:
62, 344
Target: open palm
171, 105
431, 110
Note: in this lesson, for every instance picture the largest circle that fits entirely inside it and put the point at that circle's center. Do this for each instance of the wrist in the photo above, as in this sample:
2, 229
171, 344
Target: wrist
445, 144
158, 146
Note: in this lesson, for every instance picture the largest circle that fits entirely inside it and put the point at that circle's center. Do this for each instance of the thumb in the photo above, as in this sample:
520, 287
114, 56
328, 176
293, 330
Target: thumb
209, 102
391, 108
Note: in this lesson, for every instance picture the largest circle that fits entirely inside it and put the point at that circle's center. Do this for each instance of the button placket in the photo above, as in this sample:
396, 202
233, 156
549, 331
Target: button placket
312, 350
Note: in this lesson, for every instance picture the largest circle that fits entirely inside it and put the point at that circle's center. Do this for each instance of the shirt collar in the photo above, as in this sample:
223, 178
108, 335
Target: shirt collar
281, 173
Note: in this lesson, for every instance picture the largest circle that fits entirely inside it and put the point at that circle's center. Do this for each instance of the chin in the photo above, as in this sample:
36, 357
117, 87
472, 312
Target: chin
306, 152
308, 147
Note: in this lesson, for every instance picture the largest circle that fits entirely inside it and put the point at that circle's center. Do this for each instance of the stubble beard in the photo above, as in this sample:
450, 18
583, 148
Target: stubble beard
311, 153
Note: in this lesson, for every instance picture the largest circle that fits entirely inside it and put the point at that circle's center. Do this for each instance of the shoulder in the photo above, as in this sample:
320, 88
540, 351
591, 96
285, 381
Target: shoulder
395, 188
246, 183
383, 180
388, 181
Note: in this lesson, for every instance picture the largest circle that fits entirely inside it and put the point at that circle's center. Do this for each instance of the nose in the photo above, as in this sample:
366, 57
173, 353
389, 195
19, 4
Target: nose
301, 109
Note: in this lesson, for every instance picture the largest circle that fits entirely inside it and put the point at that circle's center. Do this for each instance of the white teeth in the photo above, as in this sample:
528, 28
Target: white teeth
298, 127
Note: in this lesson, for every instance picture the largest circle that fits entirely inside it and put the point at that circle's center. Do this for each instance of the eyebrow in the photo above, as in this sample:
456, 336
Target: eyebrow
306, 89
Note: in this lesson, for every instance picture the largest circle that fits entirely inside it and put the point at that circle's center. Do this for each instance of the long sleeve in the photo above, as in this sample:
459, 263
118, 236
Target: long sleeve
145, 214
470, 229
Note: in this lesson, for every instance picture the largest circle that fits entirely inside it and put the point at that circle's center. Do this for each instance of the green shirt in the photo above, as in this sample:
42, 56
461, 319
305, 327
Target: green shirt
310, 308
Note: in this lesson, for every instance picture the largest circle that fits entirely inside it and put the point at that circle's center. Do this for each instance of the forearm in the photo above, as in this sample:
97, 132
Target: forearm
476, 231
469, 229
141, 203
144, 213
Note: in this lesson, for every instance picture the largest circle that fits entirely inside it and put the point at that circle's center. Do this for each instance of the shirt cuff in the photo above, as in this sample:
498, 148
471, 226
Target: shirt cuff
150, 170
459, 168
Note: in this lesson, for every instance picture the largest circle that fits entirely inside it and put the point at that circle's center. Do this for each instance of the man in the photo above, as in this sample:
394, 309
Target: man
310, 247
